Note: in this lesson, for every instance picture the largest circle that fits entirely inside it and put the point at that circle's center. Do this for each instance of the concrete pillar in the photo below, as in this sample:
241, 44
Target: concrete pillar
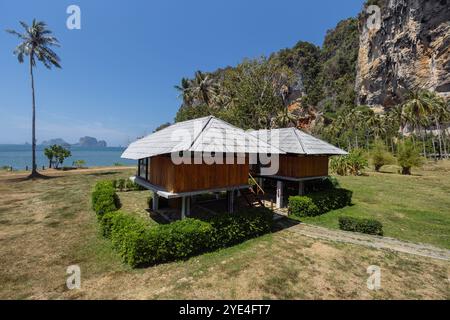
301, 188
155, 202
183, 207
230, 199
279, 199
188, 206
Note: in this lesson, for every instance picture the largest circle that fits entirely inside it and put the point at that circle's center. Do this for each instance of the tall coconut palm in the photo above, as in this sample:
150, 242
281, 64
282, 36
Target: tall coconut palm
203, 88
185, 92
36, 43
418, 107
439, 116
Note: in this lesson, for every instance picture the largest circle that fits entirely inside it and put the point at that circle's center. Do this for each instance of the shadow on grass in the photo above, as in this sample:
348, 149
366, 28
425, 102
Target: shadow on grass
28, 178
100, 174
158, 218
284, 223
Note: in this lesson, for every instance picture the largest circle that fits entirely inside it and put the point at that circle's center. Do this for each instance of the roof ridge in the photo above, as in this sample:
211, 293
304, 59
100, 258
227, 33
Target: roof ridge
299, 140
322, 141
201, 131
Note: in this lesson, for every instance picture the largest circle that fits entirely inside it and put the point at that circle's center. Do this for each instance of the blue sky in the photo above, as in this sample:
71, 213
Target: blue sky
119, 70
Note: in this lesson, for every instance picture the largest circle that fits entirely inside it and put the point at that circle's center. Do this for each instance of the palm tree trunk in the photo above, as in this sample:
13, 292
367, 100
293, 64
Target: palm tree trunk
438, 127
33, 134
434, 148
445, 144
424, 134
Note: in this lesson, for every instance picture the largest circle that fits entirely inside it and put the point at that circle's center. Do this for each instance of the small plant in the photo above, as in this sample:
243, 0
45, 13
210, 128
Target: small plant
369, 226
380, 156
121, 184
79, 163
118, 164
408, 156
351, 164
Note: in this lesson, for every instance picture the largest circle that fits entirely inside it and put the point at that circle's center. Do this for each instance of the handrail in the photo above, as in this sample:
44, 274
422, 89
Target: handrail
257, 185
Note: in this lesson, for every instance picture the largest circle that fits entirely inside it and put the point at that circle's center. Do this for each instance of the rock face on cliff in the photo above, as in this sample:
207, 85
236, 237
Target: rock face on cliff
91, 142
411, 50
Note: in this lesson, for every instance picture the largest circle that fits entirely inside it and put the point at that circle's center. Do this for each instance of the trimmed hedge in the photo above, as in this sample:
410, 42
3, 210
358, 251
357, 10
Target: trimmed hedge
369, 226
234, 228
318, 203
140, 244
104, 198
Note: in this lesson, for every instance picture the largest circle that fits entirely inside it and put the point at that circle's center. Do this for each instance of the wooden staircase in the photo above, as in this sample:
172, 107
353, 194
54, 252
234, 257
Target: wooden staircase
251, 196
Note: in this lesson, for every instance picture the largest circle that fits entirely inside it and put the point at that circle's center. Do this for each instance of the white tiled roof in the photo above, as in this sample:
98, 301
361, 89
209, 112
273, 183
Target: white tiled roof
207, 134
292, 140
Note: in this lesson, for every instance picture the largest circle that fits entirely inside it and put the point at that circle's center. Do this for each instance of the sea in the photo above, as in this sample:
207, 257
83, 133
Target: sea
19, 156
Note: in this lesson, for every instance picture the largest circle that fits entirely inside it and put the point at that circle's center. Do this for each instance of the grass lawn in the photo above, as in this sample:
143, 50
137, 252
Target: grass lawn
414, 208
47, 225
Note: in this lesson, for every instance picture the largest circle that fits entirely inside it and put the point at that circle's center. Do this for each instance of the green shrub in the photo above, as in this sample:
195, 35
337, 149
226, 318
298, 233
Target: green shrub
408, 156
234, 228
132, 186
141, 245
125, 232
104, 198
380, 155
368, 226
106, 222
179, 240
303, 206
318, 203
121, 184
351, 164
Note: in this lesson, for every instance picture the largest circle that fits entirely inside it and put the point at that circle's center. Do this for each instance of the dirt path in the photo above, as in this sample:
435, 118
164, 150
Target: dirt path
316, 232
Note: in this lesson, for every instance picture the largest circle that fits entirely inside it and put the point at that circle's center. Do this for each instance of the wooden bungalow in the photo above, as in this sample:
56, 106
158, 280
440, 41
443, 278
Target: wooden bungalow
305, 158
161, 170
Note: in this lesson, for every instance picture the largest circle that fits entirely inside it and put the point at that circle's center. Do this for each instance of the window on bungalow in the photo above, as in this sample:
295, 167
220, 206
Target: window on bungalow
143, 168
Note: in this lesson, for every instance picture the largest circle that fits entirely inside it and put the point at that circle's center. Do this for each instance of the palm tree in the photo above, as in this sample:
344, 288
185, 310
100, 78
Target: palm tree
418, 107
285, 118
185, 91
203, 88
36, 43
440, 115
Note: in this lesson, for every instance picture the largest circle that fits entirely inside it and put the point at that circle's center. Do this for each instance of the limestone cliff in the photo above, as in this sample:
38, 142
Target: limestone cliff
410, 50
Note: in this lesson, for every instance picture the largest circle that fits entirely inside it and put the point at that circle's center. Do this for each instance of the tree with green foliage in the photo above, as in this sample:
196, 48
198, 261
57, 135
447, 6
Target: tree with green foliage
36, 43
48, 152
256, 90
408, 156
56, 155
380, 156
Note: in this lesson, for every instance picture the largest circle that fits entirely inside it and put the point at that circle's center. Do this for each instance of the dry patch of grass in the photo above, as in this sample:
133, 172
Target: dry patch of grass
48, 225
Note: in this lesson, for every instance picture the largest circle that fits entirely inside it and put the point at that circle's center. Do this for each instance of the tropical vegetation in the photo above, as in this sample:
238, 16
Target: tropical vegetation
56, 155
36, 44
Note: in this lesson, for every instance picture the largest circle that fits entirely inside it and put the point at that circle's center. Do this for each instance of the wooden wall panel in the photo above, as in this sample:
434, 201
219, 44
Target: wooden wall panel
303, 166
192, 177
